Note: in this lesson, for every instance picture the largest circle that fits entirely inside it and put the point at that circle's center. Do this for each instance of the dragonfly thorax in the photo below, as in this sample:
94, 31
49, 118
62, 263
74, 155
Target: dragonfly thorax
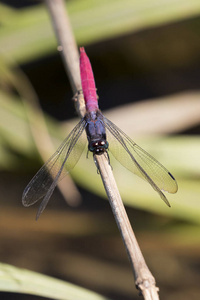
96, 133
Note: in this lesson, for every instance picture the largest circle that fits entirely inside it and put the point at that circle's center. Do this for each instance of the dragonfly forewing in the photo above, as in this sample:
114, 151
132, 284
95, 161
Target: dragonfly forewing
138, 161
58, 165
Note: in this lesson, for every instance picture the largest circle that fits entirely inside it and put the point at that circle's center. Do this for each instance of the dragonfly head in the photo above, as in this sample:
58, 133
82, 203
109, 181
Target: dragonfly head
98, 147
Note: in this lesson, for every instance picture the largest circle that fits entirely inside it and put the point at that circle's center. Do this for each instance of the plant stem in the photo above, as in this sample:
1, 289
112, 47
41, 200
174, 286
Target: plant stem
144, 280
68, 49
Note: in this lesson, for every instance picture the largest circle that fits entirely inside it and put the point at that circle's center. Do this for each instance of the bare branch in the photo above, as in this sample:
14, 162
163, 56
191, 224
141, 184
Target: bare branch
68, 49
143, 277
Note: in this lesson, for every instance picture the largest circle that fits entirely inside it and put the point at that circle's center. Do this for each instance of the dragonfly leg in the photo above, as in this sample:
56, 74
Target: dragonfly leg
108, 158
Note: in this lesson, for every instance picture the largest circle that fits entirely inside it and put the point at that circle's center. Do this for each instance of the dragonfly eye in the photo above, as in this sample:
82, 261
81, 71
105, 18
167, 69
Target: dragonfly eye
98, 147
104, 144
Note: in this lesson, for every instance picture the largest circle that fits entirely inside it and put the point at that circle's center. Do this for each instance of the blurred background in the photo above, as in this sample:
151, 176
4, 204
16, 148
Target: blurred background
146, 62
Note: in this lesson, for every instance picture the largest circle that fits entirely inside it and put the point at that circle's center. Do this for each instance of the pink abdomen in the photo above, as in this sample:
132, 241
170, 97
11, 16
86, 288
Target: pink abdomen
88, 83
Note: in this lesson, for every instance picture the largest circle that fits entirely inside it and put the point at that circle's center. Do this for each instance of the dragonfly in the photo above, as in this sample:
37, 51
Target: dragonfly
103, 137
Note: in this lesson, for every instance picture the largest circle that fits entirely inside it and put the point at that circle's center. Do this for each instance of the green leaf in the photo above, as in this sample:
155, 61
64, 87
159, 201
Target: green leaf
18, 280
29, 34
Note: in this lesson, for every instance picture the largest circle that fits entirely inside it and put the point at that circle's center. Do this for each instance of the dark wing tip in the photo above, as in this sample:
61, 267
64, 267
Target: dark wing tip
176, 185
171, 176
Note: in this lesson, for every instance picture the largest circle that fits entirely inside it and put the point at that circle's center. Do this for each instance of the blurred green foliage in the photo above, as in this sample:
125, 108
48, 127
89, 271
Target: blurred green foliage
13, 279
26, 34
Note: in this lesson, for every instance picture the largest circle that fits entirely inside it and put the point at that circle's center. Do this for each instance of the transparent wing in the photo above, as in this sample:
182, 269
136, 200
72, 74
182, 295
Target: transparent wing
138, 161
58, 165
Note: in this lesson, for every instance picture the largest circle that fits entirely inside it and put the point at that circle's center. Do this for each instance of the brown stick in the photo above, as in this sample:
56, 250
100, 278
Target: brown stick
143, 278
68, 49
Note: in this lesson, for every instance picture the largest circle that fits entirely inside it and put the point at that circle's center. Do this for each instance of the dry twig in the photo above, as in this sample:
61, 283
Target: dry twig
143, 278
